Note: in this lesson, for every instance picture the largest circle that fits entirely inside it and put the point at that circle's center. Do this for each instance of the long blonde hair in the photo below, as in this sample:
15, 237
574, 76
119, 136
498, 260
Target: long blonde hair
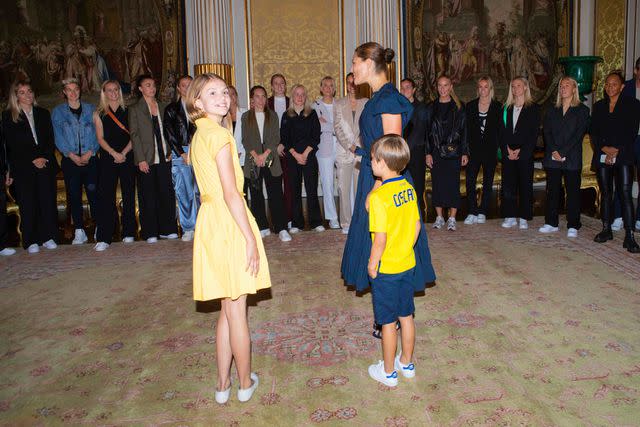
528, 99
103, 106
12, 104
452, 93
575, 99
291, 111
195, 92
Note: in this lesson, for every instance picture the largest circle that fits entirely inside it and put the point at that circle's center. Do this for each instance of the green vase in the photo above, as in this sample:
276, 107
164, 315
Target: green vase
581, 68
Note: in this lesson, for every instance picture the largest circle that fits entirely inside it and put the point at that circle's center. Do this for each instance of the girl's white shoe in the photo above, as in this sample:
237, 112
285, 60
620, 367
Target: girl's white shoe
245, 394
223, 396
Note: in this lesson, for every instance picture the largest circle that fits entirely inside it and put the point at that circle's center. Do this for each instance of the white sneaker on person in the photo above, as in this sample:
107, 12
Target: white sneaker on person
407, 371
509, 222
377, 372
572, 233
8, 251
617, 224
547, 228
50, 244
128, 239
471, 219
438, 223
451, 224
152, 240
244, 394
334, 224
289, 224
284, 236
223, 396
294, 230
482, 218
33, 248
638, 224
264, 233
345, 230
80, 237
187, 236
523, 224
319, 229
171, 236
101, 246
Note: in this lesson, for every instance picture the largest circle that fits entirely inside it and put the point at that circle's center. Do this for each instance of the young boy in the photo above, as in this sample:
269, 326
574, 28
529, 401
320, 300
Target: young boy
394, 223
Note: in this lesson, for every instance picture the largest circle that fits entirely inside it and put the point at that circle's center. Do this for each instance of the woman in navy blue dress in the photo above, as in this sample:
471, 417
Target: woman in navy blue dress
387, 112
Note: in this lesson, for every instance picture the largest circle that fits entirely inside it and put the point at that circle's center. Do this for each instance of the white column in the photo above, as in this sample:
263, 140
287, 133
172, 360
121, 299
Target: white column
209, 38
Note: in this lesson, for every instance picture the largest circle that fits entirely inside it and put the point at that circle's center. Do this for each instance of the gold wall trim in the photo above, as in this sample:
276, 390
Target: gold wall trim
610, 30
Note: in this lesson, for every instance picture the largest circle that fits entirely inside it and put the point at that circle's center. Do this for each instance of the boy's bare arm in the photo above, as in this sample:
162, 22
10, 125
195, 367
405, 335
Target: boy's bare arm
415, 238
377, 248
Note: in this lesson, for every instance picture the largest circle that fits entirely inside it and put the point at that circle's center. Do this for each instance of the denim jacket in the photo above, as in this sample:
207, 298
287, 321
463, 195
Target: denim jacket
73, 135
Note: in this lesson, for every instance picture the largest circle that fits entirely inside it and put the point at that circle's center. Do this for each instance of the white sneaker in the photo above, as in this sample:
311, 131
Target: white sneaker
171, 236
572, 233
334, 224
407, 371
152, 240
617, 224
471, 219
523, 224
438, 223
8, 251
289, 224
80, 237
264, 233
319, 229
101, 246
345, 230
33, 248
376, 371
246, 393
509, 222
294, 230
50, 244
187, 236
284, 236
451, 224
223, 396
638, 224
482, 218
548, 229
128, 239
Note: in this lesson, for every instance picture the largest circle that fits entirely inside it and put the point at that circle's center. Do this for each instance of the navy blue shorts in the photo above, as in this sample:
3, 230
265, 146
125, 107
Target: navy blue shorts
392, 296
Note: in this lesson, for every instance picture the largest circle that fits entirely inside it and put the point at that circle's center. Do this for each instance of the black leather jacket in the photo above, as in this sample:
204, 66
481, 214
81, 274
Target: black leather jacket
440, 141
177, 130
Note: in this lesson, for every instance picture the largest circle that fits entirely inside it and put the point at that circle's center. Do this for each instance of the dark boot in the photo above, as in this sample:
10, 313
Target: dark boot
604, 235
630, 243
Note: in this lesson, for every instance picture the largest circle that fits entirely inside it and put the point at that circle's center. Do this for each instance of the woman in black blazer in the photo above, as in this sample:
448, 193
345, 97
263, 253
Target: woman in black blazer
564, 127
518, 135
614, 129
483, 121
29, 140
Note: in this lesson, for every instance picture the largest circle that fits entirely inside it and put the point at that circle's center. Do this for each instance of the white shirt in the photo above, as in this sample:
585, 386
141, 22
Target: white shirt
280, 106
516, 115
260, 120
32, 124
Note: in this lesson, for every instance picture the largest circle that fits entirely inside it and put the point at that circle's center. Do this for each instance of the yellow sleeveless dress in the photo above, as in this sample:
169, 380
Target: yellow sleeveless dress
219, 248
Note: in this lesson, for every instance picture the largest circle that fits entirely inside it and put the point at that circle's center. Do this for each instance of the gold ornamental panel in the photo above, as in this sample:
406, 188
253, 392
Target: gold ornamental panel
225, 71
609, 43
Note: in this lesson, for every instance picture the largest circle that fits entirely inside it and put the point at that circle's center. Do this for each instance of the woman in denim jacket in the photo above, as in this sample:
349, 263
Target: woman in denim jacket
75, 136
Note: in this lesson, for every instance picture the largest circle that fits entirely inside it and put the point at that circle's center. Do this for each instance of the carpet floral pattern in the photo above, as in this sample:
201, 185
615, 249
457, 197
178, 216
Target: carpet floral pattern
521, 329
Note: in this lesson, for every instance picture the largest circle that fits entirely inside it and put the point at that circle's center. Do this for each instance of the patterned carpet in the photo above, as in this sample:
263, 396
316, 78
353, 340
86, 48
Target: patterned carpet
521, 329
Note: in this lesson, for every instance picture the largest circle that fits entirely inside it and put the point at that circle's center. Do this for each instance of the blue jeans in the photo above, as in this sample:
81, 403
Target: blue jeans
186, 190
617, 198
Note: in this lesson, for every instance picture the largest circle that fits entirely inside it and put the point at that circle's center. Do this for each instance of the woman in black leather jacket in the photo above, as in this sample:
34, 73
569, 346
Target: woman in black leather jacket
447, 150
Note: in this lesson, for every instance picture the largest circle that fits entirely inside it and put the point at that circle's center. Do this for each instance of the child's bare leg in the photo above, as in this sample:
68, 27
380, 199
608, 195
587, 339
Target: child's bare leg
407, 338
389, 346
223, 351
236, 311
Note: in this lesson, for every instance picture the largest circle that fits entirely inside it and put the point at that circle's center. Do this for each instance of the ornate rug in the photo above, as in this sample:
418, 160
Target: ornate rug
521, 329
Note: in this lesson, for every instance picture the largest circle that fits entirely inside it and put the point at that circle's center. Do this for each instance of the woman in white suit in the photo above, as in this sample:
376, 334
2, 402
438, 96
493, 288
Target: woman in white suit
346, 116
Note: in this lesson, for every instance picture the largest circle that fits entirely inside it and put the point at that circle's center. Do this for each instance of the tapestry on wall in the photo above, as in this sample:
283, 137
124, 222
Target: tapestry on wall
467, 39
47, 41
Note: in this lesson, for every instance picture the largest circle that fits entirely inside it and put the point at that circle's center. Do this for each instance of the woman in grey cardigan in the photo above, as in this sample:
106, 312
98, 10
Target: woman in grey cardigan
260, 139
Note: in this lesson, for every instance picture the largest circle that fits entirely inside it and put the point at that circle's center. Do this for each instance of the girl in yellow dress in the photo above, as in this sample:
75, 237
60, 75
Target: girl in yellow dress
229, 261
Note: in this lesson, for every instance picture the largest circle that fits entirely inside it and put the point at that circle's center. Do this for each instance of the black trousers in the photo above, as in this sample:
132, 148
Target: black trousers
517, 188
276, 202
75, 178
36, 197
3, 213
623, 175
572, 181
488, 171
157, 201
310, 174
417, 168
109, 175
445, 182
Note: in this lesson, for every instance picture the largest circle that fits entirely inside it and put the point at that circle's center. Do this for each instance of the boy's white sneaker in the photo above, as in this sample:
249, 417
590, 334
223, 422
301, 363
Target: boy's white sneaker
376, 371
509, 222
482, 218
547, 228
617, 224
246, 393
80, 237
407, 371
471, 219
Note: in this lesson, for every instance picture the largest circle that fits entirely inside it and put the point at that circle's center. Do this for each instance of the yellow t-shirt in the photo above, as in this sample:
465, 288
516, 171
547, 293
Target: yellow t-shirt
393, 209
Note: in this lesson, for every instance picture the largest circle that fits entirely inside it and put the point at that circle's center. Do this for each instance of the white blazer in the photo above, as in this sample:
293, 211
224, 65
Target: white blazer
237, 134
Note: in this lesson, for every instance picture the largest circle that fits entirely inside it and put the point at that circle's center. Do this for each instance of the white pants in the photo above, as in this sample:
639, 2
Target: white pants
326, 167
347, 186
